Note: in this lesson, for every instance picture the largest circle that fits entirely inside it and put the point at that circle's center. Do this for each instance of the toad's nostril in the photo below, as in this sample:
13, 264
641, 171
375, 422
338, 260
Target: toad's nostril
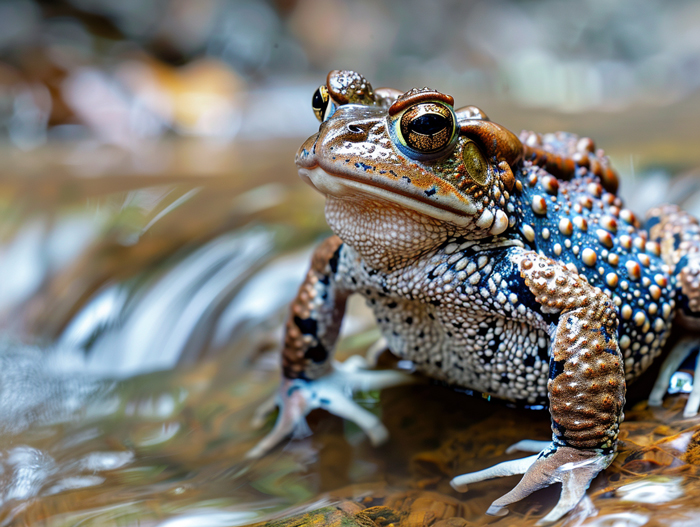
355, 129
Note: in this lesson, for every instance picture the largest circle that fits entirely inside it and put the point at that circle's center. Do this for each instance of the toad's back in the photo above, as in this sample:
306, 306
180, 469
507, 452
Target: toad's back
582, 225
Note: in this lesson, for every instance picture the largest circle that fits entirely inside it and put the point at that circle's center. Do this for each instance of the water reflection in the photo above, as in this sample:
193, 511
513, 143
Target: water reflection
165, 314
658, 490
209, 519
39, 387
622, 519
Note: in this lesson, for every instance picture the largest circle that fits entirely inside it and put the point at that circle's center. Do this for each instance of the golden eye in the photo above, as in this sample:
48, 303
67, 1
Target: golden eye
474, 162
427, 127
319, 102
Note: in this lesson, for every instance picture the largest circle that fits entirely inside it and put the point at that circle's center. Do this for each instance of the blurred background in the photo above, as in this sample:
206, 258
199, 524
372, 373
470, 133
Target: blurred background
153, 227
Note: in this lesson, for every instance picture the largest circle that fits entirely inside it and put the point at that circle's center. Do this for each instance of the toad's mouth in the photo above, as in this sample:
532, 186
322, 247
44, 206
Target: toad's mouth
343, 186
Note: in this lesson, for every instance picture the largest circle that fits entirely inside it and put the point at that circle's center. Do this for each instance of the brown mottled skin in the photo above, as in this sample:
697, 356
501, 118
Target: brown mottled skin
296, 346
503, 265
578, 342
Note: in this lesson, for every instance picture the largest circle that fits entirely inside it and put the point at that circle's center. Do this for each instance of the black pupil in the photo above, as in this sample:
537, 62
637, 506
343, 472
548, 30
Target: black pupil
428, 124
317, 101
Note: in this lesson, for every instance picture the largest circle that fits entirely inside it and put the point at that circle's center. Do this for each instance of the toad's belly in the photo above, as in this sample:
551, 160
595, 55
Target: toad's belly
505, 358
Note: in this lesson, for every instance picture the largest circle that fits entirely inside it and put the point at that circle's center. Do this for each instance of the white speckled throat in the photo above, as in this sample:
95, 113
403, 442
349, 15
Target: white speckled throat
340, 187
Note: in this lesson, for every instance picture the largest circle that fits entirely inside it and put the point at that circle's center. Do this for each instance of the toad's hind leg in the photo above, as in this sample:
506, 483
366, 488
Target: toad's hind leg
678, 236
586, 389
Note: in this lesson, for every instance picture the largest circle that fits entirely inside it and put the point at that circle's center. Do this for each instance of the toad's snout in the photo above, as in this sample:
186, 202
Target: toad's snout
306, 155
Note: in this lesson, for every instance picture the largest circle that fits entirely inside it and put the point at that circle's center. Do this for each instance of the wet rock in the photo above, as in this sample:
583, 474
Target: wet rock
351, 507
419, 519
325, 517
383, 516
425, 507
363, 520
402, 509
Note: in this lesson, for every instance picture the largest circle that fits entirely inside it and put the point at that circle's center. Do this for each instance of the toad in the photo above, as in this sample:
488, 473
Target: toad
503, 264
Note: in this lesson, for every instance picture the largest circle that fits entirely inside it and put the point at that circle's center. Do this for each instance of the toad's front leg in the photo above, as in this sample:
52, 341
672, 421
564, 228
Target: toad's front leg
586, 389
310, 378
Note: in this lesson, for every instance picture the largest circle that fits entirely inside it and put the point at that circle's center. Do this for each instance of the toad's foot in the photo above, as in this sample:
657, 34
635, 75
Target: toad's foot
332, 392
679, 353
572, 467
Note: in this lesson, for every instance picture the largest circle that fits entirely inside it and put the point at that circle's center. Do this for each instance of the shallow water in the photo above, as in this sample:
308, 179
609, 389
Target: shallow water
143, 314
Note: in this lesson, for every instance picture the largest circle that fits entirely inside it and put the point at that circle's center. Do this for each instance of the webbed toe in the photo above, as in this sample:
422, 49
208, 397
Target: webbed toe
573, 468
332, 392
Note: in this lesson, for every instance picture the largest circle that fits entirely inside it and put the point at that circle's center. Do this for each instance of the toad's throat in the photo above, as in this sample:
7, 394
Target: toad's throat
347, 187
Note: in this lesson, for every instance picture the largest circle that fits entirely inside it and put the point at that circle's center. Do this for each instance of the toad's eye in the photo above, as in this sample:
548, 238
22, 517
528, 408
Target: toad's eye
320, 102
426, 128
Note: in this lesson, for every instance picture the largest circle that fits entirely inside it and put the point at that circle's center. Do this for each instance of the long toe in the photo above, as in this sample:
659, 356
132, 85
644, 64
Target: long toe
293, 409
346, 408
366, 380
282, 428
574, 485
507, 468
527, 445
537, 477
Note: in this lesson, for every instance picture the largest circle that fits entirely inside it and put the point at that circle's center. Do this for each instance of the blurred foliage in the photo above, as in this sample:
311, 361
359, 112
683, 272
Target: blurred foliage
115, 70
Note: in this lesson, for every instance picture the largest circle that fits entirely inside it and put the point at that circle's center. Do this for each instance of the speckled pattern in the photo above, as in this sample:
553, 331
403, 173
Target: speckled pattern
503, 265
678, 235
563, 155
586, 228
